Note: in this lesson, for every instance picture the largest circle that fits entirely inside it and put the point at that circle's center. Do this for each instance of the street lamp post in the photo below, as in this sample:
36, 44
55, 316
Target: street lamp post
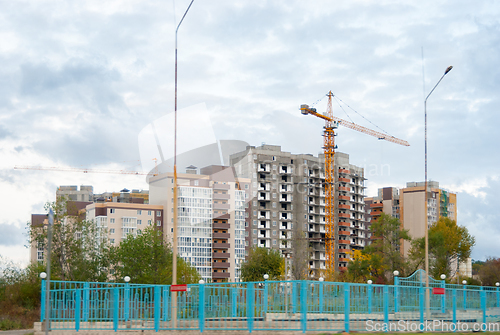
174, 244
426, 228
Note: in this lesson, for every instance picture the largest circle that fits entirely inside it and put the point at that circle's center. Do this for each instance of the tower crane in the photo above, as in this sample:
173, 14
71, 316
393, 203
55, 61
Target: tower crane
332, 123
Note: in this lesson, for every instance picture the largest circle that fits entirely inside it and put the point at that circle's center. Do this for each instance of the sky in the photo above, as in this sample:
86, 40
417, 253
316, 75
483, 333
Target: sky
79, 81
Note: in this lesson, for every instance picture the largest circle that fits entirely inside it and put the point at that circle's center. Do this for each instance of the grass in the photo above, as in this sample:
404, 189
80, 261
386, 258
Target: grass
17, 317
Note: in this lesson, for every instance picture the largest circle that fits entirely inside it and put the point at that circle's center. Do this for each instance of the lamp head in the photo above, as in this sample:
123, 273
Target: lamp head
126, 279
497, 284
448, 69
43, 275
369, 281
266, 276
201, 281
443, 276
464, 282
321, 279
396, 272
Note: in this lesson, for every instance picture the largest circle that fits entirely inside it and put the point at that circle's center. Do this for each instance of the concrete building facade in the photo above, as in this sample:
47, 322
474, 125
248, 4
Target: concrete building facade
211, 219
288, 197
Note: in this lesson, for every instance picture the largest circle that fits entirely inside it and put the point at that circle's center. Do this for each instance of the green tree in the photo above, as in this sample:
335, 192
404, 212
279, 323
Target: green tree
448, 242
261, 261
300, 257
79, 249
490, 272
384, 254
147, 259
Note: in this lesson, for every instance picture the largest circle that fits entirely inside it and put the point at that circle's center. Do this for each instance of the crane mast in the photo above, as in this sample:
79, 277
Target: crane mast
331, 123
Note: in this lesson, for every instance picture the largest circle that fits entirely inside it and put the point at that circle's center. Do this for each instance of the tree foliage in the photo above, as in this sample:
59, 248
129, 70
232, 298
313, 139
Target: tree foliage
300, 256
147, 259
489, 273
261, 261
78, 251
379, 259
448, 242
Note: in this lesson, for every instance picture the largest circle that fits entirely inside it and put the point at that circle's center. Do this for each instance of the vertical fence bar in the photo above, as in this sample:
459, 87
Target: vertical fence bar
396, 294
421, 303
347, 306
116, 306
498, 296
386, 305
303, 305
86, 298
201, 312
483, 304
370, 294
250, 306
321, 302
294, 297
78, 303
126, 302
234, 300
265, 298
166, 307
43, 297
465, 298
455, 308
443, 297
157, 312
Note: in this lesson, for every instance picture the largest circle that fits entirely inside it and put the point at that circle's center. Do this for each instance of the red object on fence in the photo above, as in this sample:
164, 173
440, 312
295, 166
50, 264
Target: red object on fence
437, 290
178, 288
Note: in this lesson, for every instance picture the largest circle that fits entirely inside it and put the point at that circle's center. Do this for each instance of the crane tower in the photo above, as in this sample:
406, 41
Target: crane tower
332, 123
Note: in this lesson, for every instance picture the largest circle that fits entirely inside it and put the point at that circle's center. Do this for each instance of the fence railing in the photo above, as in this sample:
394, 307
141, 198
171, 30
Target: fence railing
269, 305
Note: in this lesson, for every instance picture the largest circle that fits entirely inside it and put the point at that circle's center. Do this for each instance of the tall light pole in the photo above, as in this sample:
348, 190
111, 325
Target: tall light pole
426, 228
174, 247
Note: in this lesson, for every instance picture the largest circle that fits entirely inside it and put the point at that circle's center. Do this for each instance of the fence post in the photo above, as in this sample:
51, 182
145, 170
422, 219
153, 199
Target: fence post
321, 303
455, 307
347, 306
116, 306
266, 298
201, 311
421, 303
86, 293
498, 296
396, 294
43, 297
157, 300
443, 298
303, 304
483, 304
126, 302
465, 297
386, 304
78, 302
250, 306
370, 293
234, 300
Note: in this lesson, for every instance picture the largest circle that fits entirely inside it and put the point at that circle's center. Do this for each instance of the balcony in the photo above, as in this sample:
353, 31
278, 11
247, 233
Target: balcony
221, 186
264, 196
220, 255
345, 189
343, 251
344, 206
264, 168
344, 171
220, 225
344, 180
221, 206
344, 224
344, 215
343, 259
219, 275
344, 241
219, 265
284, 169
344, 232
344, 197
286, 198
221, 235
263, 215
220, 246
264, 187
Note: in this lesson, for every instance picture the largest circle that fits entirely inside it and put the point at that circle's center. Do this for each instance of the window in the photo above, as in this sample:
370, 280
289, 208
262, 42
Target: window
274, 242
149, 222
158, 222
149, 212
112, 240
139, 232
196, 183
111, 210
246, 233
254, 222
139, 212
254, 232
274, 223
112, 231
158, 213
246, 186
139, 221
112, 220
274, 232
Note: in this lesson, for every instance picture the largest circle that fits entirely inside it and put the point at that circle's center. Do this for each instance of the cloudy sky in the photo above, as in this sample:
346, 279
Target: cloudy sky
80, 79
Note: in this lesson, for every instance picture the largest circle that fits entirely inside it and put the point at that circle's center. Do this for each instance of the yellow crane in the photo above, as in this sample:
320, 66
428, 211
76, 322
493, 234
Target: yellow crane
331, 123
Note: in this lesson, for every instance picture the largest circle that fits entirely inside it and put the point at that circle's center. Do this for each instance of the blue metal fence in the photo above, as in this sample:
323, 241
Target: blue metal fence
269, 305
